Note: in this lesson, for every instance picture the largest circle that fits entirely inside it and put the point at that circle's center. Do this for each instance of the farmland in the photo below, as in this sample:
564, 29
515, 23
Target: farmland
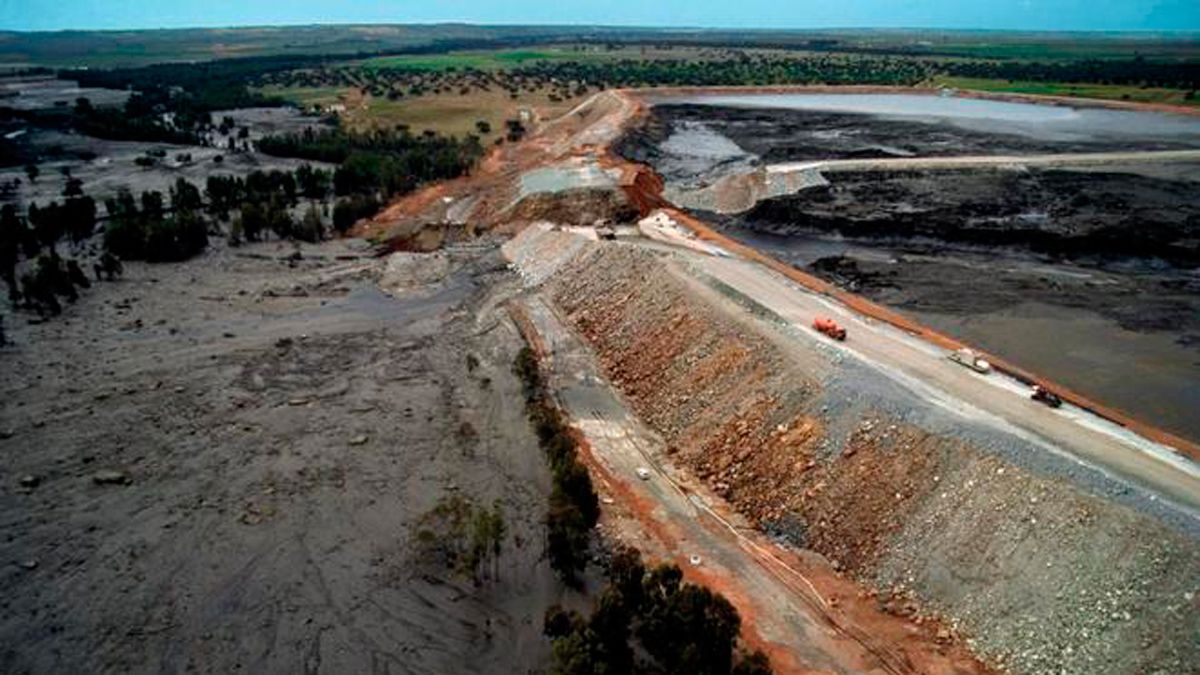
1110, 92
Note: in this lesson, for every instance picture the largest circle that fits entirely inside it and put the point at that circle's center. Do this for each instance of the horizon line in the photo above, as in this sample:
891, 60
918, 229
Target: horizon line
664, 28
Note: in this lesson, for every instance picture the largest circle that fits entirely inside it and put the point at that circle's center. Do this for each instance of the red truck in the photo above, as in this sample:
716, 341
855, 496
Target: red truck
829, 327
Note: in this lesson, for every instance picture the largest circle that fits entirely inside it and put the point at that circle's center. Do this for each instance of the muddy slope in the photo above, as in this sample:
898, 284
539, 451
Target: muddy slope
278, 427
940, 516
1059, 213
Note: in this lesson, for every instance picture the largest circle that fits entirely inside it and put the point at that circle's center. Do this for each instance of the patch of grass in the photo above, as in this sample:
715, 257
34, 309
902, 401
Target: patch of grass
484, 60
1057, 48
449, 113
1111, 92
306, 96
452, 113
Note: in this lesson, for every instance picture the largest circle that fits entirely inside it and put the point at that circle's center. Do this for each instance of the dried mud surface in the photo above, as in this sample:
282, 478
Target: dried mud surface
216, 467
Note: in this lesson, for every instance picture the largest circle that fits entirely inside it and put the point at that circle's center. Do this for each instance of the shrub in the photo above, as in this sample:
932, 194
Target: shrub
350, 210
177, 238
49, 279
311, 227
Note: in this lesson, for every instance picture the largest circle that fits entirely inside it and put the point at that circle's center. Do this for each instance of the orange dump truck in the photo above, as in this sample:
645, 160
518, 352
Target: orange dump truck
829, 327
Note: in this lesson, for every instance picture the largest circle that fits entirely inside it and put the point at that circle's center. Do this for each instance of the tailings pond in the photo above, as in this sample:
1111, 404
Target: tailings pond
1089, 275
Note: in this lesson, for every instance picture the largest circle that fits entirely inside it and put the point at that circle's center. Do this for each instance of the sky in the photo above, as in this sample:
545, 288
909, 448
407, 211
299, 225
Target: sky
994, 14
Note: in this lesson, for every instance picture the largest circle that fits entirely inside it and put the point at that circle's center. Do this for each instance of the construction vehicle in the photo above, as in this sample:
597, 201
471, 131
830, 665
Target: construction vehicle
1044, 395
829, 327
968, 358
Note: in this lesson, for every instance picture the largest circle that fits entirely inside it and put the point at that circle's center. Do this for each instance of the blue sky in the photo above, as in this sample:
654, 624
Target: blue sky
995, 14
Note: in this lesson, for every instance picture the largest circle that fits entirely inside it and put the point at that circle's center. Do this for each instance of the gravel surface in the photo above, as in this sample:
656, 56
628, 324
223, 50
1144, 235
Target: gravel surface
1044, 565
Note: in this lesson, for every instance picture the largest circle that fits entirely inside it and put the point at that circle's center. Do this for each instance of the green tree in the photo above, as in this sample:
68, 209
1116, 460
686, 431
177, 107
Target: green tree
312, 226
79, 217
279, 220
74, 188
350, 210
224, 195
185, 196
313, 183
253, 220
124, 235
559, 622
685, 627
568, 538
48, 280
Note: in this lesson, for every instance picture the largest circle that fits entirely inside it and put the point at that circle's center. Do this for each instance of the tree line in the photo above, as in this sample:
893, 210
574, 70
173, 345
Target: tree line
565, 79
48, 276
375, 166
574, 507
745, 69
679, 627
1129, 72
153, 227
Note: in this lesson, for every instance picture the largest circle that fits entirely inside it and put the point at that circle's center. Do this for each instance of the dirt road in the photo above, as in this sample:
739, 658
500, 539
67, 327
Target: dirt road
994, 399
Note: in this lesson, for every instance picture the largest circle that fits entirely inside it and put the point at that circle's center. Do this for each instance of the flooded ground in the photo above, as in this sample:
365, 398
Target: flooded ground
222, 466
106, 166
36, 92
1089, 275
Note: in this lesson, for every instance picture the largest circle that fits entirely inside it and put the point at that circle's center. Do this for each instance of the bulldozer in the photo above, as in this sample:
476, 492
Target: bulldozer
829, 327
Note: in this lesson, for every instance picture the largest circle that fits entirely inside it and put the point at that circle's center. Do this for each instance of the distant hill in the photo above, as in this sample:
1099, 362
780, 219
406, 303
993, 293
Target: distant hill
132, 48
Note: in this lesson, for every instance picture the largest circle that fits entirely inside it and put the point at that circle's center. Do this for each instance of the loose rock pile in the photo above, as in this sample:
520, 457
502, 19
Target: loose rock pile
1044, 577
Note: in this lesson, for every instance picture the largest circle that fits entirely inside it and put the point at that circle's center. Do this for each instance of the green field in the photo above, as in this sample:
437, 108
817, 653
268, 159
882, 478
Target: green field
1109, 92
483, 60
306, 96
1057, 50
446, 113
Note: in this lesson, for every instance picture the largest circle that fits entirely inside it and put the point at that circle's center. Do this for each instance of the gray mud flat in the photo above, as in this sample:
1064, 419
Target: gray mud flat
217, 467
785, 129
107, 166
